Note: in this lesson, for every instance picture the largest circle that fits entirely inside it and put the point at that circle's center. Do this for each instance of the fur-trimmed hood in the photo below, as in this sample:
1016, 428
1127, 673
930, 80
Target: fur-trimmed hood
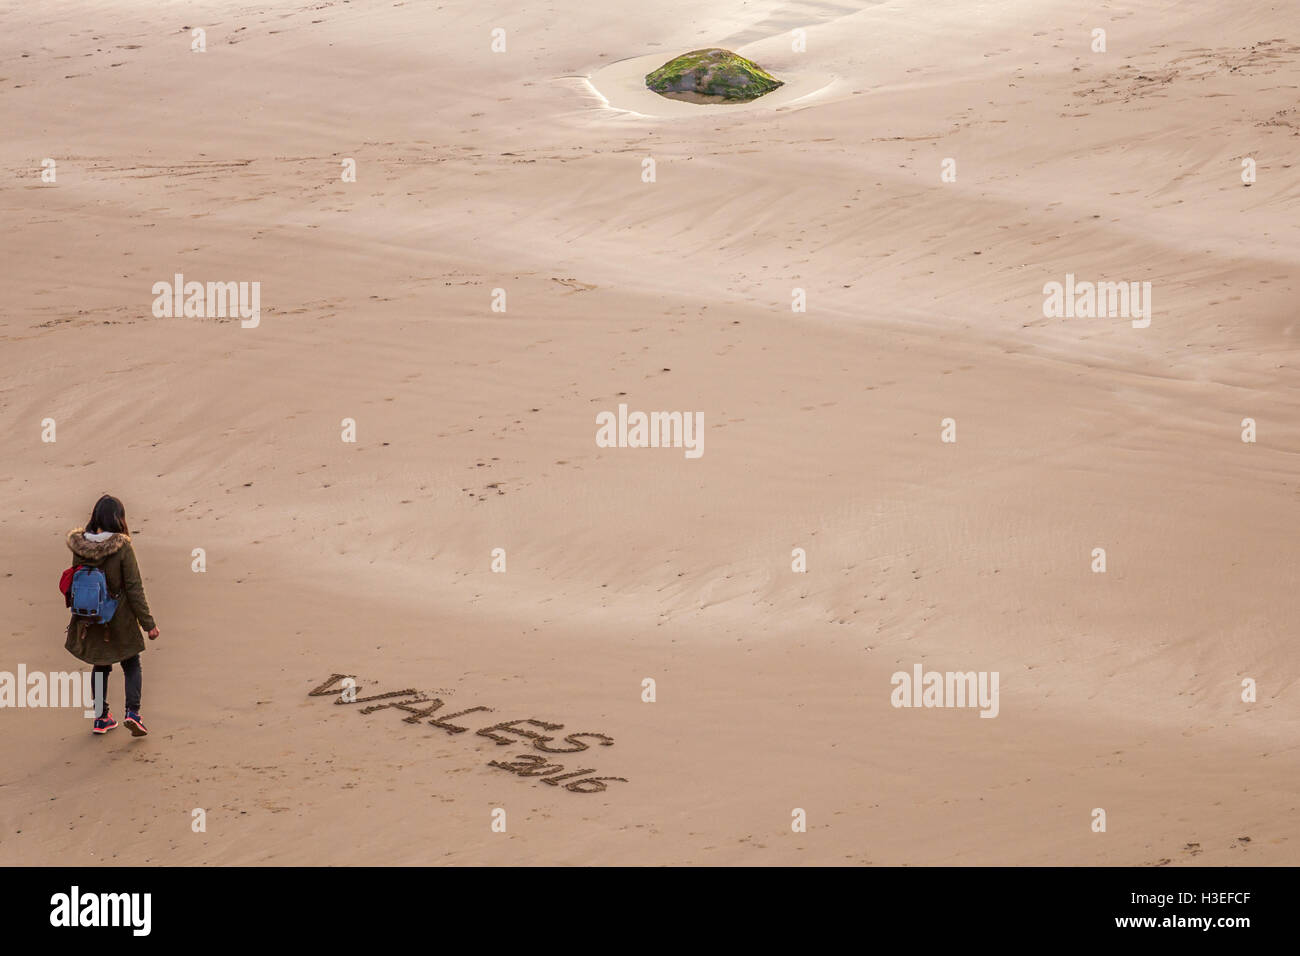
91, 550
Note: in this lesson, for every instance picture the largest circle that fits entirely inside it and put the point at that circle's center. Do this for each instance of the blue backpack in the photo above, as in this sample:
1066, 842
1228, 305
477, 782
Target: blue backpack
89, 598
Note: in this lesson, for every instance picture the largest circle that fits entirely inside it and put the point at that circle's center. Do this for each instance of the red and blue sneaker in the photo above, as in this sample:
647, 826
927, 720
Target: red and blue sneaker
134, 724
104, 724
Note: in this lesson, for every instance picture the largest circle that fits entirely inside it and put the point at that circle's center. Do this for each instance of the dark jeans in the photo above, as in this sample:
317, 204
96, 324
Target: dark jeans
131, 668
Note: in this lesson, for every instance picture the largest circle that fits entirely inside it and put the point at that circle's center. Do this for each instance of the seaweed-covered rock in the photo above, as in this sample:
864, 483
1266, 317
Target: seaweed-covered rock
715, 73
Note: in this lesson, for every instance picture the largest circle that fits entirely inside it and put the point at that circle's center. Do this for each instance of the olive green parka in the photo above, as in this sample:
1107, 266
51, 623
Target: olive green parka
121, 637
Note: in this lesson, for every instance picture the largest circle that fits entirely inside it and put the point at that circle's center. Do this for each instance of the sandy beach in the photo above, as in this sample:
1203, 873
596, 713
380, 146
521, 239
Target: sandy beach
927, 169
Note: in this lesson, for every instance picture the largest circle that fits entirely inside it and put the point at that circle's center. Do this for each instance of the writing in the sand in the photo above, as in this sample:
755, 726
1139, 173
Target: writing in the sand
540, 733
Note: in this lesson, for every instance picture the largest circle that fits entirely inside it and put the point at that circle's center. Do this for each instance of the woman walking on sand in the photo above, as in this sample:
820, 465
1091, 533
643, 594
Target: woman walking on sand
105, 544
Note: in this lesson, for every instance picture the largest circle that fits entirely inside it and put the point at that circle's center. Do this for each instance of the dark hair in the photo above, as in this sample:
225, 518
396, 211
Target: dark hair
109, 515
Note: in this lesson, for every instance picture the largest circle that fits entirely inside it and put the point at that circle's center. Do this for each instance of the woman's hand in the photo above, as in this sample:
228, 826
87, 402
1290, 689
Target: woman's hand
153, 635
